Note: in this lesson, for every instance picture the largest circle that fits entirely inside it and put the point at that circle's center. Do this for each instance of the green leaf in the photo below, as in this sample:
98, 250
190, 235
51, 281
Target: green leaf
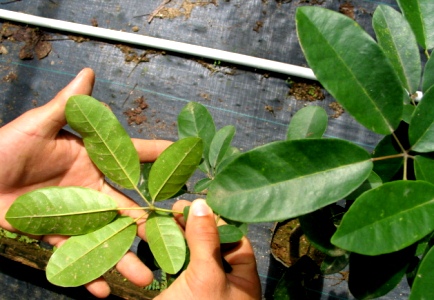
202, 185
398, 42
84, 258
340, 51
421, 130
424, 168
145, 169
106, 141
194, 120
61, 210
372, 182
408, 112
220, 145
166, 242
230, 155
419, 14
174, 167
374, 276
309, 122
300, 176
422, 287
395, 215
229, 234
428, 74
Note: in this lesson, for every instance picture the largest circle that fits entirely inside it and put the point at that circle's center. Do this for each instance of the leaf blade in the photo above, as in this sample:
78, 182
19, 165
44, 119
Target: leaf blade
61, 210
257, 184
166, 242
373, 94
174, 167
308, 122
398, 42
421, 130
390, 225
106, 141
79, 261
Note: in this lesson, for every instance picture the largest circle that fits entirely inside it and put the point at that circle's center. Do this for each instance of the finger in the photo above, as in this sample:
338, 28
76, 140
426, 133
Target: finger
203, 241
179, 206
99, 288
132, 268
149, 150
54, 110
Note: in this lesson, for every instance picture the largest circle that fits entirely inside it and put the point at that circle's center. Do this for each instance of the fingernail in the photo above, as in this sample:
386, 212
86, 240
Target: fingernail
199, 208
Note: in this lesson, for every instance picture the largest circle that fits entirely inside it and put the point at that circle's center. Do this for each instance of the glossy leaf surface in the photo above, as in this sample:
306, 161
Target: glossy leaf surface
61, 210
309, 122
143, 185
419, 14
391, 225
422, 286
395, 37
334, 264
202, 185
229, 234
421, 130
338, 50
106, 141
424, 168
84, 258
174, 167
428, 75
287, 179
372, 182
220, 145
166, 242
194, 120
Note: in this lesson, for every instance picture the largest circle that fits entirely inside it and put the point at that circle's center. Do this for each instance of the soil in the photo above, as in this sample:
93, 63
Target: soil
306, 91
347, 9
136, 115
182, 10
35, 40
337, 108
289, 244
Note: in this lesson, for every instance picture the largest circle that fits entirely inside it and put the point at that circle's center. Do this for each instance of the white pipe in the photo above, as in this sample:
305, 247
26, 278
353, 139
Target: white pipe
137, 39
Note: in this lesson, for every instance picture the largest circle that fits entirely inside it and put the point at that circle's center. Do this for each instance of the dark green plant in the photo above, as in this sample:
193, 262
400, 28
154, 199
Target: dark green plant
388, 214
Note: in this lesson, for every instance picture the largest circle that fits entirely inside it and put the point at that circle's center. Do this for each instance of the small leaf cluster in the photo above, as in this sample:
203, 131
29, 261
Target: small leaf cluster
100, 235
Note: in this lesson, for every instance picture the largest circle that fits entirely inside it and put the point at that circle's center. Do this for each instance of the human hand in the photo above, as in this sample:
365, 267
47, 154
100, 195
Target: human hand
204, 277
35, 152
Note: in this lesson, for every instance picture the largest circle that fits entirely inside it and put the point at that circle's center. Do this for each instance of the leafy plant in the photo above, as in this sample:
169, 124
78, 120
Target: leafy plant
100, 236
376, 209
389, 194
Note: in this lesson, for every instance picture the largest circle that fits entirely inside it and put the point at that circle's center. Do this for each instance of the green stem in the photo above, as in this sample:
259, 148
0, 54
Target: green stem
427, 53
148, 209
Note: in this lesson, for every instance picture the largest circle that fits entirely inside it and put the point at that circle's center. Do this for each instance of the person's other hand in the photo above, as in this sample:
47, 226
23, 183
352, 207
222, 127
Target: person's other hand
35, 152
204, 277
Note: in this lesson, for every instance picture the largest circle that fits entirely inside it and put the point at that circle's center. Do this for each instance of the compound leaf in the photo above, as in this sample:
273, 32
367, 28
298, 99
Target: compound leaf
61, 210
84, 258
166, 242
398, 42
309, 122
174, 167
339, 50
395, 215
287, 179
106, 141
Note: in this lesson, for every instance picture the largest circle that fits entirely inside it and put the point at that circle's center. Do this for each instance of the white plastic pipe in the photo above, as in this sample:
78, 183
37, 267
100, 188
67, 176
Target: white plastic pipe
137, 39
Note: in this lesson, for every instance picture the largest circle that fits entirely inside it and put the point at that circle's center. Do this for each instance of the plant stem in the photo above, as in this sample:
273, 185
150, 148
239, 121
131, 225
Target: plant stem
427, 53
151, 205
154, 208
388, 157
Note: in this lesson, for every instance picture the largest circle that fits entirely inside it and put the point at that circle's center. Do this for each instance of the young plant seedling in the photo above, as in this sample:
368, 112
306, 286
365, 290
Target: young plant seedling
100, 236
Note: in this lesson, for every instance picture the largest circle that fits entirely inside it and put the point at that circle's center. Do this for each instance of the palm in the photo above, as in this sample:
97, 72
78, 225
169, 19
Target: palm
35, 152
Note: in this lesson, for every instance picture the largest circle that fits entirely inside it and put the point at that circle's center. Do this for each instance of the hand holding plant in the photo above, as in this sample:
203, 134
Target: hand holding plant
37, 153
205, 277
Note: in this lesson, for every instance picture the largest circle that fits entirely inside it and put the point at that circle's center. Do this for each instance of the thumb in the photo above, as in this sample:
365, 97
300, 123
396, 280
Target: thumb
55, 109
203, 240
